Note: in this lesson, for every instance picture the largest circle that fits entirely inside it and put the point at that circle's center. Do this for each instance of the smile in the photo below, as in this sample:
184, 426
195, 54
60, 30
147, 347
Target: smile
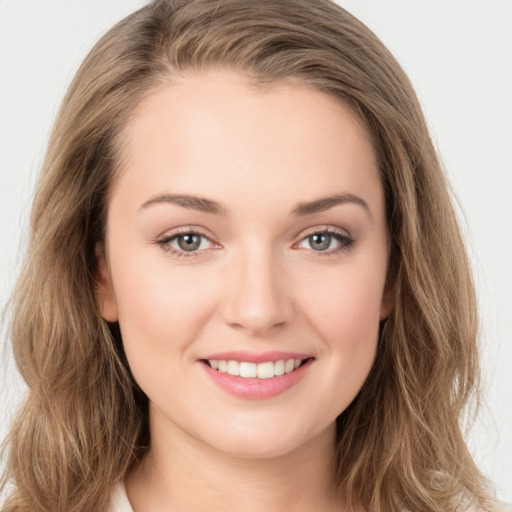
246, 369
255, 376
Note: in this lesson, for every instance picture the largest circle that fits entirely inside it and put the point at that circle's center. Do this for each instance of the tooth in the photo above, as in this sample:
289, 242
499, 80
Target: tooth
248, 369
265, 370
289, 366
279, 367
233, 368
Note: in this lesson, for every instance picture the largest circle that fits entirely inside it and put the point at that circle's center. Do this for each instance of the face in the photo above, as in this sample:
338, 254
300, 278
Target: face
245, 260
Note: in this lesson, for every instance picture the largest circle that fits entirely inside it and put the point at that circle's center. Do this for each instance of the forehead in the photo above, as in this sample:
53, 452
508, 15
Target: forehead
216, 135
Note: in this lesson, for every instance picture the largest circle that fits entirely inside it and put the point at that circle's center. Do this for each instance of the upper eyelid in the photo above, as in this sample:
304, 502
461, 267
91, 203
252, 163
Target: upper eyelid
335, 230
185, 230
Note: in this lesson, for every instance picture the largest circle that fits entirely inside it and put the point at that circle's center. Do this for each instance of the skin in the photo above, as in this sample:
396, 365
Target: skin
256, 283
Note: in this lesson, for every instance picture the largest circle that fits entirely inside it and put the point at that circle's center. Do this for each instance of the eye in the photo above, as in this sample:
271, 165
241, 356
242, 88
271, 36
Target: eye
185, 244
327, 241
189, 242
320, 241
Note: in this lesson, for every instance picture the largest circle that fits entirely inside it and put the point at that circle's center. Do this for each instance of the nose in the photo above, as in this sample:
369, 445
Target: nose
257, 296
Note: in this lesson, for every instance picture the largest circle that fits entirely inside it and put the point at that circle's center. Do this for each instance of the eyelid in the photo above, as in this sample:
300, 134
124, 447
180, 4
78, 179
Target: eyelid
345, 239
183, 230
324, 228
163, 241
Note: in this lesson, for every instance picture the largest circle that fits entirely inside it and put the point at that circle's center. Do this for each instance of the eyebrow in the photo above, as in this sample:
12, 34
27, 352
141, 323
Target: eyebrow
186, 201
302, 209
320, 205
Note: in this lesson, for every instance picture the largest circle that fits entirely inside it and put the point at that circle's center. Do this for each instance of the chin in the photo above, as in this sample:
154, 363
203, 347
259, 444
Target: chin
256, 449
267, 440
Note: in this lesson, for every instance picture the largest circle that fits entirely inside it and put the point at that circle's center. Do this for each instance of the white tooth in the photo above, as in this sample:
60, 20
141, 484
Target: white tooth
214, 363
265, 370
289, 366
297, 363
248, 369
279, 367
223, 366
233, 368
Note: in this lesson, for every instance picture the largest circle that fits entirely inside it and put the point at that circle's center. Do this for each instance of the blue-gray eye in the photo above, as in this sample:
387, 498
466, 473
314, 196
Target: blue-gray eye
189, 242
320, 241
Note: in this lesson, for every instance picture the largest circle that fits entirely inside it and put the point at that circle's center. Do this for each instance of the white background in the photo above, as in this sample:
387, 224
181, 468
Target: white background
458, 54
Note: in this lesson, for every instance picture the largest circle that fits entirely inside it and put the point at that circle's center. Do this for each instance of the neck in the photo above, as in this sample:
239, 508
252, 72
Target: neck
181, 473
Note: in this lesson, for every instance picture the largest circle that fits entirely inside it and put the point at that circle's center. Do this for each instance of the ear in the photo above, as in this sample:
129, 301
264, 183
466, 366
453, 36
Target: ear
103, 286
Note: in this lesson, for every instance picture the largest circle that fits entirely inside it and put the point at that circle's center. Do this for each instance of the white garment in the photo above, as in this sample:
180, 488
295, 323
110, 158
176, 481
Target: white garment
120, 501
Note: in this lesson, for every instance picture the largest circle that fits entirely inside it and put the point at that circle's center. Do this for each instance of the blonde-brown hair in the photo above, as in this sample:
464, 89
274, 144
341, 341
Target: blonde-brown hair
84, 421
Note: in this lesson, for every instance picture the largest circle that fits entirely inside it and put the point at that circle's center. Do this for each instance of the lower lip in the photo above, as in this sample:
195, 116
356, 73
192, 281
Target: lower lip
256, 389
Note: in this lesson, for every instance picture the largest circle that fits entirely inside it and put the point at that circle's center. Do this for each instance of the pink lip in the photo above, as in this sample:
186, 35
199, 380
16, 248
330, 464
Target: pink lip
256, 357
256, 389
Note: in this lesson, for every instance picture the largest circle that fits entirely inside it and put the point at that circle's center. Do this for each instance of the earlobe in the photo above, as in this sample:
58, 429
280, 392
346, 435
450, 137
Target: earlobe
103, 287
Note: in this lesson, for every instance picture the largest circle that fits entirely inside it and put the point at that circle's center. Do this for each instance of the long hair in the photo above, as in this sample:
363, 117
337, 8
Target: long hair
84, 422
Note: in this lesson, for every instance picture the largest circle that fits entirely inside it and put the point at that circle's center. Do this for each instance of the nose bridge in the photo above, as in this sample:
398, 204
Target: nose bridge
257, 299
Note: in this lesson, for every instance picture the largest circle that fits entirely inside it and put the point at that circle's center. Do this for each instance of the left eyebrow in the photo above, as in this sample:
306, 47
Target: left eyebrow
320, 205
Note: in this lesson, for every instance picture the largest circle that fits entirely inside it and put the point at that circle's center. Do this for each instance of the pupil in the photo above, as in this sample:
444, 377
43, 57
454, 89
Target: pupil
189, 242
320, 241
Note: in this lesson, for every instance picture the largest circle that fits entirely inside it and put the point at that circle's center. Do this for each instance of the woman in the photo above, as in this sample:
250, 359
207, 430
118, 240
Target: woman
245, 285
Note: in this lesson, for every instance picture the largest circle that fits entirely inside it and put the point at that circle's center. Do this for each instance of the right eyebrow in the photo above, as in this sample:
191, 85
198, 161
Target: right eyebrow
187, 201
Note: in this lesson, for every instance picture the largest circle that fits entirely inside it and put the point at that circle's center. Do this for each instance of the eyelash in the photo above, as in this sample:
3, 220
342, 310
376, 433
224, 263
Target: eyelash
345, 241
164, 242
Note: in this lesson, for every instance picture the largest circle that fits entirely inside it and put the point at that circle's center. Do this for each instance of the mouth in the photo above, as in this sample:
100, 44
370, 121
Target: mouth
251, 370
256, 375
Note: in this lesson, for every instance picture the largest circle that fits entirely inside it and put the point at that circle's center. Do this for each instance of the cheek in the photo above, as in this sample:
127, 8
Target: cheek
345, 314
346, 306
160, 311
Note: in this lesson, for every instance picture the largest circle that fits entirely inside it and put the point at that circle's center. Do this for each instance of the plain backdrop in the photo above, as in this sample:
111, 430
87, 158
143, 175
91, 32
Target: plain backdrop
458, 54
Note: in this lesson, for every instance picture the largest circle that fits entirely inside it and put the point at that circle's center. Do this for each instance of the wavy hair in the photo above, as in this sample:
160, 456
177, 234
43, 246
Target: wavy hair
84, 422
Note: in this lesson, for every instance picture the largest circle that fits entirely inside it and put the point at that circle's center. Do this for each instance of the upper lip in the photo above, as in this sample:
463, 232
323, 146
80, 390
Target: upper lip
257, 357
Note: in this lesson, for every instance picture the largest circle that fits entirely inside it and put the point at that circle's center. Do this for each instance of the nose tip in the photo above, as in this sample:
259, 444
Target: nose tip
257, 299
254, 322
